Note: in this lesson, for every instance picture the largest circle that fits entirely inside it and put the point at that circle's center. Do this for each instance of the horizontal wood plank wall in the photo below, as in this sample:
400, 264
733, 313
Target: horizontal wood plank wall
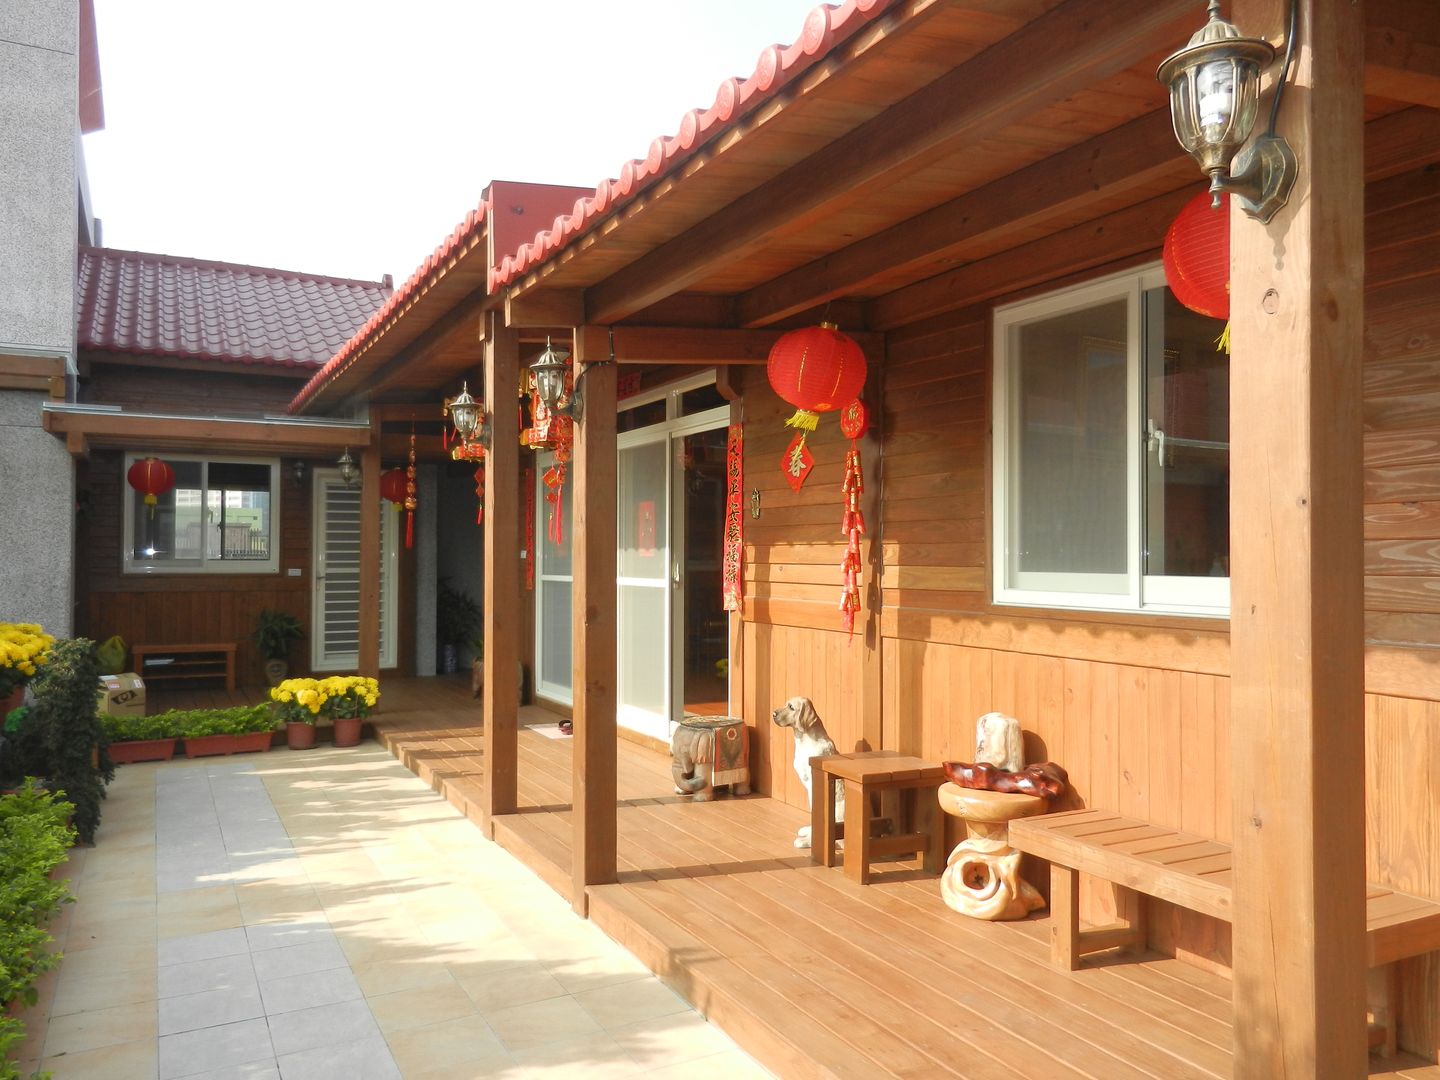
221, 392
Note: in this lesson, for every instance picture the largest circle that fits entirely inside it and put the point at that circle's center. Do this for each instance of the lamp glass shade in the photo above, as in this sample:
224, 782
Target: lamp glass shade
464, 412
550, 370
347, 467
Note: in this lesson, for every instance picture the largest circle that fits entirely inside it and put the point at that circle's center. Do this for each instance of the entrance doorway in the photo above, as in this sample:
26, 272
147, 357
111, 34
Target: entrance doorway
336, 613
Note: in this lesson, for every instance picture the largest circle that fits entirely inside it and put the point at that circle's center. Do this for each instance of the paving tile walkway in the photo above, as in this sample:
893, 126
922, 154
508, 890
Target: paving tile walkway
320, 914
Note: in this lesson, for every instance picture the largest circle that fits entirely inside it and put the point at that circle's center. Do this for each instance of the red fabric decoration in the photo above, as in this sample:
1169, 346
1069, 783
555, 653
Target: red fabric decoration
529, 529
734, 518
152, 478
796, 462
816, 369
410, 500
1197, 256
392, 487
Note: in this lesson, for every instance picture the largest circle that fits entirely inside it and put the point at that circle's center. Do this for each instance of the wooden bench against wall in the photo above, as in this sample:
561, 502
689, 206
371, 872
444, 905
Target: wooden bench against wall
1195, 873
215, 660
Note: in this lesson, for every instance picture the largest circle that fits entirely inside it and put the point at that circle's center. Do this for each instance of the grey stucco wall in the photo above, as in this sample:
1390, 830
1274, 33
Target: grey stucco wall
37, 531
39, 126
426, 550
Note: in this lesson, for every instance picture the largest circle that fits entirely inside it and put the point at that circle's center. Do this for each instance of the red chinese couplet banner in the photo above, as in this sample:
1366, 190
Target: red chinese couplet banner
734, 519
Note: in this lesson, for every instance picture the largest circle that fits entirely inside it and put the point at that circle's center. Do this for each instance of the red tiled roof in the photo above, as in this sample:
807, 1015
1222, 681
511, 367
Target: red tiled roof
825, 27
347, 349
134, 302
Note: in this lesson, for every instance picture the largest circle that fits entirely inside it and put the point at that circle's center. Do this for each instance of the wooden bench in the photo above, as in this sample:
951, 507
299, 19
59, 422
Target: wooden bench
210, 661
1195, 873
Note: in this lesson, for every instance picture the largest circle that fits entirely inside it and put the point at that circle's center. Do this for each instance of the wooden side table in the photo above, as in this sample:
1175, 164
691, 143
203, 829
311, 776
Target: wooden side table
920, 825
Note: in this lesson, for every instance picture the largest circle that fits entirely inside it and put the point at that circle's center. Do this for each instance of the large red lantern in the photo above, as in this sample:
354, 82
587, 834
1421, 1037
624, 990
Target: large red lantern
152, 478
817, 369
1197, 256
392, 487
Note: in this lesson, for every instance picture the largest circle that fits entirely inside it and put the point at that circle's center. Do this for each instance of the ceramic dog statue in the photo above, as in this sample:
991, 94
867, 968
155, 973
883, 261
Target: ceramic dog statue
811, 740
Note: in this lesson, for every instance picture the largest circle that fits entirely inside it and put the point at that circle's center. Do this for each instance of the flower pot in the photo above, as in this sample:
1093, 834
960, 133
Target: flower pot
276, 670
347, 730
300, 736
13, 700
127, 753
209, 745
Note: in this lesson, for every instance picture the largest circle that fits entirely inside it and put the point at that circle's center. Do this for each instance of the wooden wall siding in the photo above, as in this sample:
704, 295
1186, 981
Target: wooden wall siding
160, 389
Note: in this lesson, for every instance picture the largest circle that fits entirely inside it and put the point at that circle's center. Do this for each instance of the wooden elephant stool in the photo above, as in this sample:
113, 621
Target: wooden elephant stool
709, 752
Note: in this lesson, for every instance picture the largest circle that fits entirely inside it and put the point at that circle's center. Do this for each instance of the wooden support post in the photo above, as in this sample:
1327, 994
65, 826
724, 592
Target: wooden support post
502, 571
1297, 683
369, 660
593, 625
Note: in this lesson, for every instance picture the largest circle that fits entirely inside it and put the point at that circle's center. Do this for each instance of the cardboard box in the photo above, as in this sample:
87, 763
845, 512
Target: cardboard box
122, 695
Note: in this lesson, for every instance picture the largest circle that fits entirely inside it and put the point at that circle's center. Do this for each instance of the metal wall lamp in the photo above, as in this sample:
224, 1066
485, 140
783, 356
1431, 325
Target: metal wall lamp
550, 369
1214, 86
349, 471
468, 416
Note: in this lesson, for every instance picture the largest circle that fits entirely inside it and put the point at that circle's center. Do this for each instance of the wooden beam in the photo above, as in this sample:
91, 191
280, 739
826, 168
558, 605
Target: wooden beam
502, 574
593, 625
77, 445
1297, 683
39, 366
1082, 41
1400, 142
185, 433
1402, 51
689, 345
403, 365
370, 465
545, 307
1121, 159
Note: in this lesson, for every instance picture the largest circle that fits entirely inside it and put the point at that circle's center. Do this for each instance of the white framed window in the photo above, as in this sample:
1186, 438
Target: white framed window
222, 516
1111, 464
554, 581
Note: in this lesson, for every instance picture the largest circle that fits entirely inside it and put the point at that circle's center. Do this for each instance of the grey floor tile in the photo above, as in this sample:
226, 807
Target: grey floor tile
214, 1008
344, 1024
200, 976
214, 1048
366, 1060
299, 960
252, 1070
279, 935
203, 946
295, 992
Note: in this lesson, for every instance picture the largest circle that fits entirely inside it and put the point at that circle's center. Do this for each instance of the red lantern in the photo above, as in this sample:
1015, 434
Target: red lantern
152, 478
817, 369
392, 487
1197, 256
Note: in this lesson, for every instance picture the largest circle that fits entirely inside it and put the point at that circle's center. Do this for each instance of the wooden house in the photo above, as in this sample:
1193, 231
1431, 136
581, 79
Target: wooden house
1237, 639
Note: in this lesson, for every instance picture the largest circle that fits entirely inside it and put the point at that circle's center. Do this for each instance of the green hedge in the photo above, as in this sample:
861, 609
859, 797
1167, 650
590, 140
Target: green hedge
34, 839
183, 723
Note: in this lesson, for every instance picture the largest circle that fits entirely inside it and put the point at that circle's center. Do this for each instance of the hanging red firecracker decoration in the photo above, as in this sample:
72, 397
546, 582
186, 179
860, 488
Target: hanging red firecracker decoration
392, 487
817, 369
152, 478
854, 421
554, 481
1197, 258
411, 502
529, 553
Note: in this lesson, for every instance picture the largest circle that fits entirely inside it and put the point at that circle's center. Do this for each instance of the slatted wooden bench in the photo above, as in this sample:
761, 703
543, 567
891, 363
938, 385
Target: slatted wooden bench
215, 660
1195, 873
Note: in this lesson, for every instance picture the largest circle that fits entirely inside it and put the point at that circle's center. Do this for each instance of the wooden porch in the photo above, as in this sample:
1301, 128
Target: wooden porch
813, 975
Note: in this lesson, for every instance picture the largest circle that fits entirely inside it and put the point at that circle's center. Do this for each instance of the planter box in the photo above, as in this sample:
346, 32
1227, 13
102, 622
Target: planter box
208, 745
126, 753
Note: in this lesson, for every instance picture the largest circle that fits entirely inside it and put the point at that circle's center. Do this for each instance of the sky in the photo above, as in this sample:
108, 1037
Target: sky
349, 137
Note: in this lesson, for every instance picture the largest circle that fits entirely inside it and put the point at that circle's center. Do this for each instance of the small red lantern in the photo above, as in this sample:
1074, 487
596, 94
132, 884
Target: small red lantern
152, 478
1197, 256
392, 487
816, 369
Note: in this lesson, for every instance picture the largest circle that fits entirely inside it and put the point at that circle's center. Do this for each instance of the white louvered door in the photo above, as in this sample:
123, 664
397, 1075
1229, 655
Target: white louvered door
336, 640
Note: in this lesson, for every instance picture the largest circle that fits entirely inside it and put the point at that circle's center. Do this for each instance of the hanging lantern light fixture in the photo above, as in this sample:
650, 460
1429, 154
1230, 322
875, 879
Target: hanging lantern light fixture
349, 471
152, 478
550, 370
1214, 84
468, 417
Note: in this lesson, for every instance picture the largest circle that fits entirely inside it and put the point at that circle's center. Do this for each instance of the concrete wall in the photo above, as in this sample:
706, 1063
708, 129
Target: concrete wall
39, 133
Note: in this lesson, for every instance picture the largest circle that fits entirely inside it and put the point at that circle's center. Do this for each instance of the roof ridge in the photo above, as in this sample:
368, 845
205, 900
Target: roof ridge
217, 264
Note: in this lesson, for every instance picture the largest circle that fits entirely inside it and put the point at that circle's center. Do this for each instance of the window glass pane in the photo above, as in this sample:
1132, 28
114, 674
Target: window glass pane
638, 416
238, 523
555, 555
1070, 443
641, 625
173, 531
701, 399
554, 634
644, 544
1187, 459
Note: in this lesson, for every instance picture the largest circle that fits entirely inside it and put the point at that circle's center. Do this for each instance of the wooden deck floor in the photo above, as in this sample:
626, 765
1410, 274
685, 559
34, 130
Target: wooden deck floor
813, 975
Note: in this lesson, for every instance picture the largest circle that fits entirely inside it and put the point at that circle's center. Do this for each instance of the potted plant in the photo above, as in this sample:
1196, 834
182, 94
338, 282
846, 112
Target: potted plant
142, 738
24, 649
457, 617
296, 703
65, 740
275, 631
355, 696
243, 729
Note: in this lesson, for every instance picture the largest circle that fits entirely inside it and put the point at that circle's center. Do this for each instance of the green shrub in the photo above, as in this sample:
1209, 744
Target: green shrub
137, 728
241, 720
74, 742
34, 838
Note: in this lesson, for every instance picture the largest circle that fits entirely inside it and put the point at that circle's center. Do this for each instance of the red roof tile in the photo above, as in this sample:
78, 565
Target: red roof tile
134, 302
825, 27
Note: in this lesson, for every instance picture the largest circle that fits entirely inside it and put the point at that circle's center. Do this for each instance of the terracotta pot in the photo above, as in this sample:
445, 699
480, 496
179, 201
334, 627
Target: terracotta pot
299, 736
276, 670
127, 753
347, 730
13, 700
208, 745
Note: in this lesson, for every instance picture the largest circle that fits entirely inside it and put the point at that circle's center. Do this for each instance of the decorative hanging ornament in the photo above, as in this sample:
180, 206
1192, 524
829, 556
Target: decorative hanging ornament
411, 502
734, 518
796, 462
854, 422
529, 555
817, 369
152, 478
392, 487
1197, 258
480, 495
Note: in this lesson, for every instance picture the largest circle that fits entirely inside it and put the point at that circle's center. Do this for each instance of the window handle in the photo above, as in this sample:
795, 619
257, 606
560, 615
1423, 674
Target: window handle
1155, 440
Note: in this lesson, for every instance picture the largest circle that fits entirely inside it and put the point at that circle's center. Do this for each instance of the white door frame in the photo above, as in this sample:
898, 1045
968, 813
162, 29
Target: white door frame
389, 559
